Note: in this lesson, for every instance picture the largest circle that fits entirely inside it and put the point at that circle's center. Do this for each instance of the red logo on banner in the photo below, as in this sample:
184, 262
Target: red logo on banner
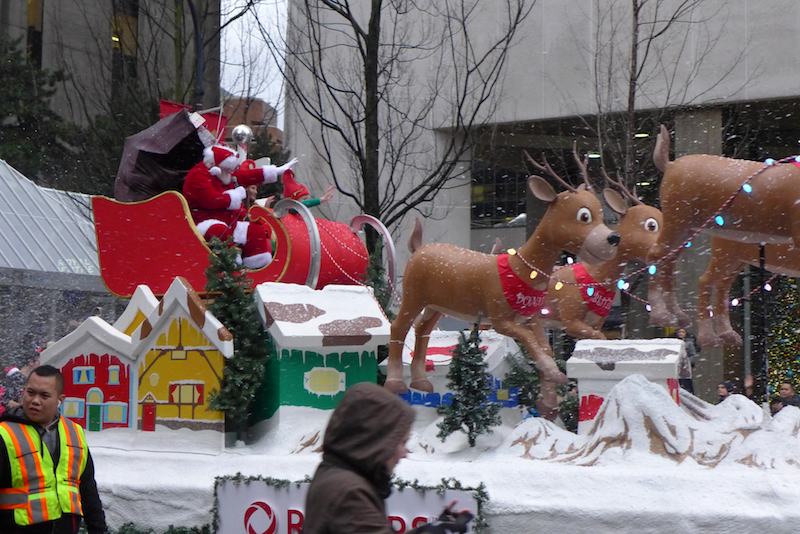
257, 516
590, 405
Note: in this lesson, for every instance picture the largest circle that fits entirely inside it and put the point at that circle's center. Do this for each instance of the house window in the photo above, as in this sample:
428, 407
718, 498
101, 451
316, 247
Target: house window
83, 375
72, 407
115, 412
94, 396
113, 375
178, 354
190, 394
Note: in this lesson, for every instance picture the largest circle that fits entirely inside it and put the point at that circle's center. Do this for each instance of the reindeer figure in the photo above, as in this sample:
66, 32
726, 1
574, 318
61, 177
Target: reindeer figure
498, 289
581, 311
727, 259
693, 191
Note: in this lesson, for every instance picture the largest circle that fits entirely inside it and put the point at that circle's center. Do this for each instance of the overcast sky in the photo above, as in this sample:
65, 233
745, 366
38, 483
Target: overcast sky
247, 65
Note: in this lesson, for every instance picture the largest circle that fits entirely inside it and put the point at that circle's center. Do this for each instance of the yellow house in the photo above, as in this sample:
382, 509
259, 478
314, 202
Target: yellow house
180, 363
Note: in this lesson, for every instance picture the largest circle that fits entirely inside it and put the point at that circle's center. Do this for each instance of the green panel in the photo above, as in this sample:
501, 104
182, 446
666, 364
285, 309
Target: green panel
285, 379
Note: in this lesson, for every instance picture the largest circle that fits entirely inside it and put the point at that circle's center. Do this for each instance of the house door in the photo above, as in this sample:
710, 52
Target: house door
149, 417
94, 420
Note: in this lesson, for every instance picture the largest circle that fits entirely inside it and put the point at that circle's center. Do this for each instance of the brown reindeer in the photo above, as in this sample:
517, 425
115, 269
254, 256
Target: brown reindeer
694, 190
446, 279
581, 311
727, 259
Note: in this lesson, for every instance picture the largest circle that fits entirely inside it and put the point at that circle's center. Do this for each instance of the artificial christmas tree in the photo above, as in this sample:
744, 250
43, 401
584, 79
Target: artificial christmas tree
470, 410
233, 305
784, 338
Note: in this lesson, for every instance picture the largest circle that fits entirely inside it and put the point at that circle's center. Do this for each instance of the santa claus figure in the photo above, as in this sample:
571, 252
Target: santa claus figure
215, 191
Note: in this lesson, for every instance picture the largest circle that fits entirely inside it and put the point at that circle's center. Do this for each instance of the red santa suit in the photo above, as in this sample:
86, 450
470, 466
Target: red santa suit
215, 191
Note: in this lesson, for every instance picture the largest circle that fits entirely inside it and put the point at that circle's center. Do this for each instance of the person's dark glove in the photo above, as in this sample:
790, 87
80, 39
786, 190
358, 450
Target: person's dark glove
447, 523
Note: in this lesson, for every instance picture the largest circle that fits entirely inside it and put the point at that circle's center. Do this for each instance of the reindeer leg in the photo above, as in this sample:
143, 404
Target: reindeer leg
705, 327
541, 355
722, 317
409, 309
660, 289
547, 401
423, 328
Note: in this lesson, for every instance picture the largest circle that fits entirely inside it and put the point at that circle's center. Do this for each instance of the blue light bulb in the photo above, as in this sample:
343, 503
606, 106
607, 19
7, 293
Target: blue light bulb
747, 188
590, 291
620, 284
688, 244
719, 220
769, 161
651, 269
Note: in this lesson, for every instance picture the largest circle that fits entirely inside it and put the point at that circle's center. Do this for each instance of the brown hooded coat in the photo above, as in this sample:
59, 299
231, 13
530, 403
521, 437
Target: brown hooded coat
349, 487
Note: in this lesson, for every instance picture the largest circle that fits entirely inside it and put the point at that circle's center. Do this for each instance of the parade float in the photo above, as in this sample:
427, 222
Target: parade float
648, 457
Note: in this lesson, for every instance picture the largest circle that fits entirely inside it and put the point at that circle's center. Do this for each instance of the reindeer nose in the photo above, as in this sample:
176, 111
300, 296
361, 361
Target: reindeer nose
613, 239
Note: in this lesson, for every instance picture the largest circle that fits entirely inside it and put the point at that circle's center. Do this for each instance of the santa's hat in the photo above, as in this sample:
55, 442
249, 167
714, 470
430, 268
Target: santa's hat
292, 189
220, 158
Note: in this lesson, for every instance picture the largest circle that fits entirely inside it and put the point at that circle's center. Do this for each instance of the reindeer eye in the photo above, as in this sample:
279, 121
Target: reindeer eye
651, 225
584, 215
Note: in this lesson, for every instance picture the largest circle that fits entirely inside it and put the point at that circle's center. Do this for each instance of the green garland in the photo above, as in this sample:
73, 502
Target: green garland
480, 494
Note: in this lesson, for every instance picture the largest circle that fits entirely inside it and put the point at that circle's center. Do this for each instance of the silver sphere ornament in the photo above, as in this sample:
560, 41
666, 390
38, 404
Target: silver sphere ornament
242, 134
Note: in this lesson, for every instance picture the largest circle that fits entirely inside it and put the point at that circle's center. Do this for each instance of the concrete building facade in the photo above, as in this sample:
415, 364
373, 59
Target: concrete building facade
725, 72
106, 48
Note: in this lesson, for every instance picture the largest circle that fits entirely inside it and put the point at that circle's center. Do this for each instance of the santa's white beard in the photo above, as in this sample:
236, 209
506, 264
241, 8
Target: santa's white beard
225, 178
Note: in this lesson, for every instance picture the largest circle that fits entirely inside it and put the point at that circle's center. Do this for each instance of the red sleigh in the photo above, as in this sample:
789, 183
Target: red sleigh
152, 241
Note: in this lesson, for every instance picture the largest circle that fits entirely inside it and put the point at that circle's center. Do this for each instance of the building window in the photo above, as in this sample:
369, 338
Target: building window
34, 37
83, 375
115, 412
498, 195
72, 407
94, 396
113, 375
124, 43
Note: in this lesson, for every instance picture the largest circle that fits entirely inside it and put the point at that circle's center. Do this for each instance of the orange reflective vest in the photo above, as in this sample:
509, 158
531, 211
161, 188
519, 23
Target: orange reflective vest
39, 490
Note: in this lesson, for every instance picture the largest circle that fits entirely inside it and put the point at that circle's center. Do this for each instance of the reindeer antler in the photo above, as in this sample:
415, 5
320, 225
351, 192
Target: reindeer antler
546, 168
583, 165
621, 186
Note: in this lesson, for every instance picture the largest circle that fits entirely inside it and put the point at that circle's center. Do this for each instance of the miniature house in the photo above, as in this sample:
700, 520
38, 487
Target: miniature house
96, 360
139, 308
599, 364
323, 341
439, 355
181, 350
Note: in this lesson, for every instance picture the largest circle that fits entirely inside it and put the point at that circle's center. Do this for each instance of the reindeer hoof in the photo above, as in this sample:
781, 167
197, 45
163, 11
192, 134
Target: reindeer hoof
662, 318
708, 340
731, 338
545, 410
395, 385
553, 375
683, 320
422, 384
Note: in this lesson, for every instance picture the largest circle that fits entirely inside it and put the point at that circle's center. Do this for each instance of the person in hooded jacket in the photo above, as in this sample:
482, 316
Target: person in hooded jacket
365, 439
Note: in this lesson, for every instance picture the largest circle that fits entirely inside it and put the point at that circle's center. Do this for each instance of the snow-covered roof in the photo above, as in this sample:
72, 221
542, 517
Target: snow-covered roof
143, 301
618, 358
335, 316
93, 336
180, 299
44, 229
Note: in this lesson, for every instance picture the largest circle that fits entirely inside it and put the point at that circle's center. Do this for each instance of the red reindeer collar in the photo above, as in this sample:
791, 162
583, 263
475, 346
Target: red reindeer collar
522, 298
601, 299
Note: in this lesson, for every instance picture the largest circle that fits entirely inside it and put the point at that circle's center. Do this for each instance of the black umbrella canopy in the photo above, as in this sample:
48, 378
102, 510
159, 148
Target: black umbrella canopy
157, 159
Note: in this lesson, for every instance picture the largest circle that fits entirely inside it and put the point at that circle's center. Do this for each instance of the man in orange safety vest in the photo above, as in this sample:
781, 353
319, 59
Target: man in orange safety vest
46, 472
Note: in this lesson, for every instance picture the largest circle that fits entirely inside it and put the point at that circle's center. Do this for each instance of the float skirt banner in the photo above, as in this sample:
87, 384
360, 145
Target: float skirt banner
258, 507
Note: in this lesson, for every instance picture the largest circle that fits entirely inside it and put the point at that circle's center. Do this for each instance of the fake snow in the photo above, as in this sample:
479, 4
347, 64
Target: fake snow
647, 465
